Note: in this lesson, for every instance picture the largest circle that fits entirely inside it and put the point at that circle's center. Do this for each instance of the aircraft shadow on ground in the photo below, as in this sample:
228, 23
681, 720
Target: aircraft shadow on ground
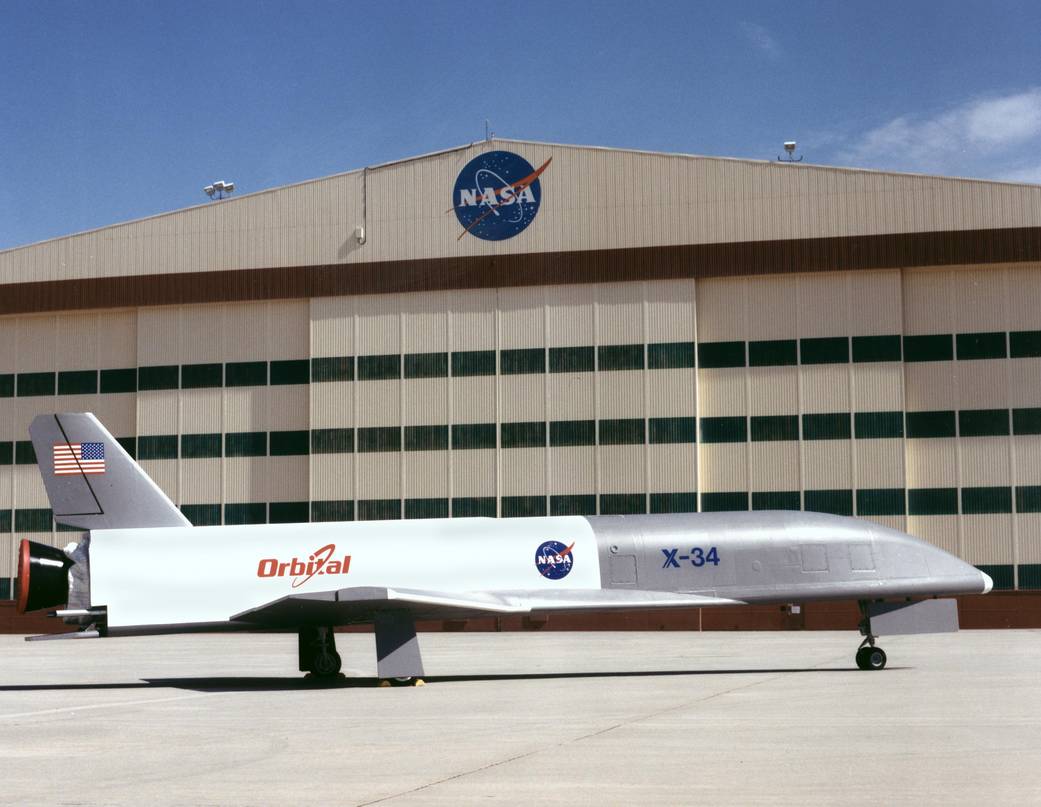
299, 683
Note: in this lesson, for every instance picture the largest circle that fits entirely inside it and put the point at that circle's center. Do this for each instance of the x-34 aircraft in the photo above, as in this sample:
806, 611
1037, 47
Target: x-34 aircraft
142, 568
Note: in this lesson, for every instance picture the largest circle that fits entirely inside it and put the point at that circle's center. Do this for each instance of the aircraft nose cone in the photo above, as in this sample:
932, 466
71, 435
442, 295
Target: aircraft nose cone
988, 583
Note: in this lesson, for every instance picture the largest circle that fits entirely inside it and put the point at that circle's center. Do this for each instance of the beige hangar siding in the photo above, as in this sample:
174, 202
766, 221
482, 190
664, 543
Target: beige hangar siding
895, 391
601, 199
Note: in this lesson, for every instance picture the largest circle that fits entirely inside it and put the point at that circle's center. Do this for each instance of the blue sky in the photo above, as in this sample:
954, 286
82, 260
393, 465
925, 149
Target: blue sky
111, 111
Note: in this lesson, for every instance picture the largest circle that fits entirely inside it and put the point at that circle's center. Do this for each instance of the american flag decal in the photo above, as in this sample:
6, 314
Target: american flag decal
75, 458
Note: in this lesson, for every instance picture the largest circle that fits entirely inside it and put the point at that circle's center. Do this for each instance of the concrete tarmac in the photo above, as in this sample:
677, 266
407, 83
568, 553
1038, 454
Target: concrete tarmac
525, 718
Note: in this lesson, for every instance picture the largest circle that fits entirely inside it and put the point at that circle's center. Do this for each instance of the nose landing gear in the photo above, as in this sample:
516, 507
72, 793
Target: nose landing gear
869, 657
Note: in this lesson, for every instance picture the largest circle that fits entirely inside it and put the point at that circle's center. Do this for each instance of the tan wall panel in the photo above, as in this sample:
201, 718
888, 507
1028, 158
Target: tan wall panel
571, 396
523, 471
1024, 297
670, 311
984, 461
378, 403
246, 332
573, 469
9, 327
1024, 380
37, 337
773, 307
332, 405
879, 464
77, 342
877, 304
332, 326
201, 411
473, 399
930, 386
932, 463
928, 301
620, 313
473, 472
246, 479
670, 393
621, 393
774, 466
1028, 533
378, 323
722, 309
27, 486
825, 388
288, 407
623, 469
1028, 459
522, 318
287, 479
332, 477
6, 488
201, 481
118, 413
672, 468
424, 322
570, 315
165, 474
877, 387
203, 334
159, 336
157, 412
289, 329
425, 401
980, 299
473, 315
378, 475
987, 538
722, 392
983, 384
824, 304
892, 522
941, 531
426, 474
522, 397
723, 467
827, 464
771, 391
117, 339
245, 409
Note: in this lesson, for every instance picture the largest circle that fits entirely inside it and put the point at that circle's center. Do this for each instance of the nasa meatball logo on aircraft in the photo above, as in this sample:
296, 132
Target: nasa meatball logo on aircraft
497, 195
554, 560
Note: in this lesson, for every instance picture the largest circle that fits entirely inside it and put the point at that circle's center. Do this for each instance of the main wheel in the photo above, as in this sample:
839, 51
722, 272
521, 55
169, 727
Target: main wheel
875, 658
326, 663
871, 658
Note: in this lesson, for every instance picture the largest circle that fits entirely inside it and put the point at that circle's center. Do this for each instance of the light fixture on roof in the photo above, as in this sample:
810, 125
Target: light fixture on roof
789, 148
220, 189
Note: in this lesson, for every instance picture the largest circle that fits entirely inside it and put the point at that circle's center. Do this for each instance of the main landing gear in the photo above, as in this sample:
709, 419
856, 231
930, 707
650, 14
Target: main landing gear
869, 657
317, 651
398, 660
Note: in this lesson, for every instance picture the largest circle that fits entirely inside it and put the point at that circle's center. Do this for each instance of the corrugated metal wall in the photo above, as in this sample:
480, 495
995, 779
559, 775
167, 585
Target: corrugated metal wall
911, 397
593, 199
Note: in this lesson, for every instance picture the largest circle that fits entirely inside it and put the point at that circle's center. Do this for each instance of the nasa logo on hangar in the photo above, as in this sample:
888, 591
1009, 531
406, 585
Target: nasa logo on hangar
497, 195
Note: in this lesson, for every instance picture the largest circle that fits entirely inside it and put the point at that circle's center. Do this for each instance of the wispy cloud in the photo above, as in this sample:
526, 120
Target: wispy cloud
998, 137
761, 39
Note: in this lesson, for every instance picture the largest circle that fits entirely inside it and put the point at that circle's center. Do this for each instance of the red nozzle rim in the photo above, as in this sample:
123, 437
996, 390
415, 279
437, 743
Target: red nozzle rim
23, 577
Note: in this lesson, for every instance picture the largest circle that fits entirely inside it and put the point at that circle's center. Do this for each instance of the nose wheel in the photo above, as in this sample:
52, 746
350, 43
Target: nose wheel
869, 656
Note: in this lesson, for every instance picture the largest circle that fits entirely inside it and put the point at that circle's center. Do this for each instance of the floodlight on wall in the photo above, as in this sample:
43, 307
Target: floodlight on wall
359, 234
219, 189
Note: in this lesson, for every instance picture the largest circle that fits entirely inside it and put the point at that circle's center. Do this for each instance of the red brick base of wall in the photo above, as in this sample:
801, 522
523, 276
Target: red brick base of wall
1006, 609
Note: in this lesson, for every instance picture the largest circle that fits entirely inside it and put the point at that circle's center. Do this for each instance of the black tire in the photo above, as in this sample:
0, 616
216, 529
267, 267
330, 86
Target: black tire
326, 664
875, 659
862, 662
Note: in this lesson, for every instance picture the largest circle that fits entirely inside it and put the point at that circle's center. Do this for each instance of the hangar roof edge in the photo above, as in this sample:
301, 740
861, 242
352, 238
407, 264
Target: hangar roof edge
801, 166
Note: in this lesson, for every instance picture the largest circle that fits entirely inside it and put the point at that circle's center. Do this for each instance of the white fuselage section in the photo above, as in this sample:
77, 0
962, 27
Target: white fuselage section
205, 575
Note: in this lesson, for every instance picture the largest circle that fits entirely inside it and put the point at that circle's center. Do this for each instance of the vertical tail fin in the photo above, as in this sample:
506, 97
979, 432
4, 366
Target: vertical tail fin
92, 483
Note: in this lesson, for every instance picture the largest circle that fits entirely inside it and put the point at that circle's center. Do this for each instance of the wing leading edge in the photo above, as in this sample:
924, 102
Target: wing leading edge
363, 604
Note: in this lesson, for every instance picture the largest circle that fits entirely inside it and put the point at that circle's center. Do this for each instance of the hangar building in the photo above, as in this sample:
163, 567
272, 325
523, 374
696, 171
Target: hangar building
514, 328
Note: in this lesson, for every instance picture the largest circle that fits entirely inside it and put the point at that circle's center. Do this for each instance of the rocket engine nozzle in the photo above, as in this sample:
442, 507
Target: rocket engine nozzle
43, 579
